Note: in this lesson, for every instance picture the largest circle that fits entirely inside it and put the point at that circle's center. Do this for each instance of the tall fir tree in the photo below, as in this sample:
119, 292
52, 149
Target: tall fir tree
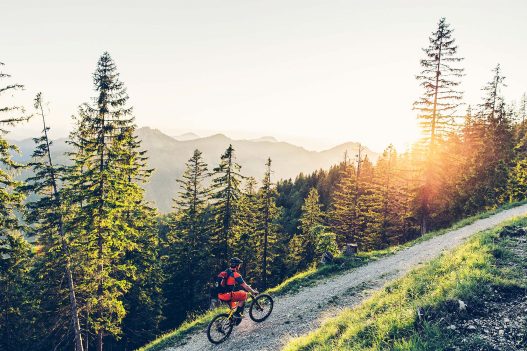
440, 80
10, 194
302, 248
189, 249
267, 228
226, 184
103, 184
17, 305
246, 241
343, 215
46, 214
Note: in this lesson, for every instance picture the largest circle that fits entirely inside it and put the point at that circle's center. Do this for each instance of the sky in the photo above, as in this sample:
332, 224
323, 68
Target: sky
314, 73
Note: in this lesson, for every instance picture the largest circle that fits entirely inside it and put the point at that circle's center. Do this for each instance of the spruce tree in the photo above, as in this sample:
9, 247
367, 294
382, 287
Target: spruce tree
368, 208
191, 231
10, 194
46, 214
18, 297
247, 240
268, 215
17, 305
103, 184
395, 197
311, 225
343, 215
440, 80
496, 154
226, 185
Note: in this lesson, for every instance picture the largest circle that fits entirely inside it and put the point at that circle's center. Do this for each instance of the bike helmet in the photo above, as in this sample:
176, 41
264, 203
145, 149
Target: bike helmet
235, 261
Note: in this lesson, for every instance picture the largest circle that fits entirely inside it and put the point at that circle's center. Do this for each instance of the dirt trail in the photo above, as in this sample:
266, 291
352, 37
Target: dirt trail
303, 311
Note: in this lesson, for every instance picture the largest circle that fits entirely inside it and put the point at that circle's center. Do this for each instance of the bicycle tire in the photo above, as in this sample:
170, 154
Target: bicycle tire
227, 332
261, 303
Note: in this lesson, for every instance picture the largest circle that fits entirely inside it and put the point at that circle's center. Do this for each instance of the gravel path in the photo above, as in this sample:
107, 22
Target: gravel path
301, 312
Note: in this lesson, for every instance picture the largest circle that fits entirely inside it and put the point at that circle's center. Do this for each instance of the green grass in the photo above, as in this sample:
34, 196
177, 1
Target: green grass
311, 277
388, 320
170, 338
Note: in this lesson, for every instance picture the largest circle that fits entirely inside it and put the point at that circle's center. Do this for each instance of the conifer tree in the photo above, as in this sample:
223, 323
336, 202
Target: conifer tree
440, 79
192, 230
226, 185
246, 242
368, 208
18, 296
144, 302
395, 195
497, 148
311, 225
343, 216
46, 213
10, 195
268, 214
17, 306
103, 180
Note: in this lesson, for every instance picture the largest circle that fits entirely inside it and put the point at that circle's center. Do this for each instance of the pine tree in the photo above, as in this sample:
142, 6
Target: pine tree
368, 208
18, 298
103, 184
192, 231
311, 226
268, 215
343, 215
10, 195
144, 302
438, 104
385, 181
226, 184
17, 305
246, 242
46, 213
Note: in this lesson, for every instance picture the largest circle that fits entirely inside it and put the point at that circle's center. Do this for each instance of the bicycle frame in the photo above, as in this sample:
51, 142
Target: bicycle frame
233, 309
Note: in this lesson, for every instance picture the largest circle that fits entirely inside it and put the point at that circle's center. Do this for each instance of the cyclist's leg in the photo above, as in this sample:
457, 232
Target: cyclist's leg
240, 297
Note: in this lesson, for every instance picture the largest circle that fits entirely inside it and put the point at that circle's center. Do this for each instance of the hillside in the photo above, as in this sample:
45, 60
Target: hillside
301, 312
168, 155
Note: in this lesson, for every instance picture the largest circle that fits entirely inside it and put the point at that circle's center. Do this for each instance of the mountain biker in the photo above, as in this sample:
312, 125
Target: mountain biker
235, 289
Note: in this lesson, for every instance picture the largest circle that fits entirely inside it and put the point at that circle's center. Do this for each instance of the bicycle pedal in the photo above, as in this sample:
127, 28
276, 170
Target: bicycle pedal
237, 319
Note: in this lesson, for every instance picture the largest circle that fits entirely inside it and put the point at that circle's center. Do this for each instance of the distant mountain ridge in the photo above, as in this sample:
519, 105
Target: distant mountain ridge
186, 136
168, 156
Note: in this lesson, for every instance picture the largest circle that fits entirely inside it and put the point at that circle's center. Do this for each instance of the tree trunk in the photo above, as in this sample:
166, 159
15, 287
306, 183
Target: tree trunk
99, 340
69, 276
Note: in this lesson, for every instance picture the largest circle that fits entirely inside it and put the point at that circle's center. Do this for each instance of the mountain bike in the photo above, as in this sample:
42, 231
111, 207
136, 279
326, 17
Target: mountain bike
221, 326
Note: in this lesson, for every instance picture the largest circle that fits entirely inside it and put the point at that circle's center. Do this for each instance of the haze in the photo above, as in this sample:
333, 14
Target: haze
315, 73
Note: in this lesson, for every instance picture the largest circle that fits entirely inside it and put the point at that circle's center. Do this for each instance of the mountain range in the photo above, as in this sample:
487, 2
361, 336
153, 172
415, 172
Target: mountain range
167, 155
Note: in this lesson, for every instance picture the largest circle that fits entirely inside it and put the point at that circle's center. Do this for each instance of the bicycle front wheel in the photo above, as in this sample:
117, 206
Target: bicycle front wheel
261, 307
219, 328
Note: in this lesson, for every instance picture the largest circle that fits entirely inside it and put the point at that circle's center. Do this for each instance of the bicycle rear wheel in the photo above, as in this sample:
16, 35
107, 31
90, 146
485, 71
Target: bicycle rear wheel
219, 328
261, 307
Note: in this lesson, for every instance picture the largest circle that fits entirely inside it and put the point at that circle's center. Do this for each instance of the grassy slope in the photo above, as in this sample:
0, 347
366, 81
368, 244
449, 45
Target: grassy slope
310, 277
388, 320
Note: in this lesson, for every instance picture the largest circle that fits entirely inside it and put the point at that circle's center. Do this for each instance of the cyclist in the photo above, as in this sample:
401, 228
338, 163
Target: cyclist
233, 288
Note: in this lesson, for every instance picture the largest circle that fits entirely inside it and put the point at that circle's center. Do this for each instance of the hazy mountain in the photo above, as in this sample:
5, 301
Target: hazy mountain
266, 138
186, 137
168, 156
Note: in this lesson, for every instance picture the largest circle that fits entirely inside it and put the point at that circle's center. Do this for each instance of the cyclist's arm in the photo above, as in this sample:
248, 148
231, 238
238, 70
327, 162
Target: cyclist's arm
248, 288
243, 284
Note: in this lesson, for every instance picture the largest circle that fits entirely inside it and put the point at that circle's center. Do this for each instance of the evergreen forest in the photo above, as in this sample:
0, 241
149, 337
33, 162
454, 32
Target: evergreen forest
86, 263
